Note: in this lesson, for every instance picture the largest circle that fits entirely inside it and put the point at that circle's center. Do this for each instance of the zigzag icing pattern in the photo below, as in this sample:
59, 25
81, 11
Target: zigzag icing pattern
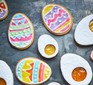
20, 31
57, 19
32, 71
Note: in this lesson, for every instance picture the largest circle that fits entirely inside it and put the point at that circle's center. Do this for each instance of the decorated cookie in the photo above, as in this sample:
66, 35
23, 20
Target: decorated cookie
21, 31
47, 46
33, 71
57, 19
54, 83
3, 9
84, 31
91, 56
75, 69
6, 75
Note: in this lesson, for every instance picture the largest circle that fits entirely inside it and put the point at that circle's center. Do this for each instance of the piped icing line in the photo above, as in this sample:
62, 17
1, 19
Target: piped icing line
21, 39
2, 14
59, 21
55, 17
62, 24
19, 29
40, 71
43, 68
35, 71
30, 71
53, 10
18, 18
63, 30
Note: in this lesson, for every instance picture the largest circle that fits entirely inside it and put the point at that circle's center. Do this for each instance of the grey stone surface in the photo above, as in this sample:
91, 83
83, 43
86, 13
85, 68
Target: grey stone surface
32, 8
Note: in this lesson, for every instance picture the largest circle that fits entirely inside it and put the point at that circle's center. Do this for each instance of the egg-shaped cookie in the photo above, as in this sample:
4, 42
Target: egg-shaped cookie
21, 31
6, 75
84, 31
3, 9
75, 69
57, 19
32, 71
47, 46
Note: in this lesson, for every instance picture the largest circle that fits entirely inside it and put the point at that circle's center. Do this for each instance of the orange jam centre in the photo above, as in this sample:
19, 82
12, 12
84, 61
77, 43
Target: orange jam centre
79, 74
2, 81
50, 49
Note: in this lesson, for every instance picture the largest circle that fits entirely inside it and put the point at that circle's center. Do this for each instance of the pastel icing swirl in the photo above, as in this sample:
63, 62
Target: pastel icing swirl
3, 9
31, 71
56, 18
20, 31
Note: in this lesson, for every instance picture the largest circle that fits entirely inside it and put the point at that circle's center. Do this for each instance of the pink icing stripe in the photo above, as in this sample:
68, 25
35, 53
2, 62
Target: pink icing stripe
64, 29
61, 24
19, 18
21, 39
43, 68
19, 29
55, 17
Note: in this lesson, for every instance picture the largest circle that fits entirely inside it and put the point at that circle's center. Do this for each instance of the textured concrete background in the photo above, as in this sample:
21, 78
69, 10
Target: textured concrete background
32, 8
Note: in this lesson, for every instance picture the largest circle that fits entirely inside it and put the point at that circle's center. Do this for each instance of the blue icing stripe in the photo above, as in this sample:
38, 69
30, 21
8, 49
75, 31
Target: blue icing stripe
18, 16
35, 71
19, 69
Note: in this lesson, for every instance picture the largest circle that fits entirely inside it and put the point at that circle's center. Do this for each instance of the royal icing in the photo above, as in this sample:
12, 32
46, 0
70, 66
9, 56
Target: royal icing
3, 9
57, 19
32, 71
91, 55
21, 32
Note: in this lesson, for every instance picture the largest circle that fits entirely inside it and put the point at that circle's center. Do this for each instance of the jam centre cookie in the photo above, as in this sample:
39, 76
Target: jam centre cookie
57, 19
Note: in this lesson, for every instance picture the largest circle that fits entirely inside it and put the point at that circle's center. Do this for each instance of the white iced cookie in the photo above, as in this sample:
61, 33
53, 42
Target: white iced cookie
47, 46
91, 56
6, 75
84, 31
75, 69
54, 83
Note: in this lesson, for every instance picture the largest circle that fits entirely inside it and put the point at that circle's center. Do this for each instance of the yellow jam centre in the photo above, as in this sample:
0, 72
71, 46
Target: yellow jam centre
2, 81
50, 49
79, 74
91, 25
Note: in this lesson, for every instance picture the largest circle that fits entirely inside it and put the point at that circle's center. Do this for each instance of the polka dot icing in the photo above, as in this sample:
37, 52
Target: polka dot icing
3, 9
21, 31
57, 19
33, 71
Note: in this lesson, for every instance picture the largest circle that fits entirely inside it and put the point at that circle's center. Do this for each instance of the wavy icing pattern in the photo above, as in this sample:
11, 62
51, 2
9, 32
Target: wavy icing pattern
3, 9
32, 71
20, 31
56, 19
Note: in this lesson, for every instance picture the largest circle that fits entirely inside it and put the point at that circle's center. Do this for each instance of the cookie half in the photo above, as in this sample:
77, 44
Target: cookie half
32, 71
21, 31
57, 19
3, 9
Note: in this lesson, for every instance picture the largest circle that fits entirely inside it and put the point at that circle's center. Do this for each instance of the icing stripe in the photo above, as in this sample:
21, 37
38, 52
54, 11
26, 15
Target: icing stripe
35, 71
60, 26
43, 68
55, 17
31, 71
19, 18
63, 30
19, 29
21, 39
40, 71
